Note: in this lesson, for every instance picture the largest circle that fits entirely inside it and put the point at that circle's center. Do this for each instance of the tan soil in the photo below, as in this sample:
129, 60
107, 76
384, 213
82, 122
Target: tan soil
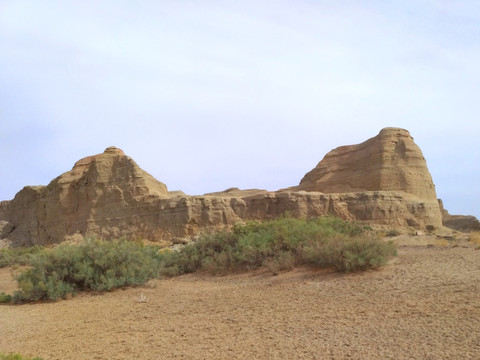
7, 285
424, 305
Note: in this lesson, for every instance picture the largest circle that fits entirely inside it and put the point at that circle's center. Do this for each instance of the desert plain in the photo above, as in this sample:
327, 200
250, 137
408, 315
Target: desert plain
424, 304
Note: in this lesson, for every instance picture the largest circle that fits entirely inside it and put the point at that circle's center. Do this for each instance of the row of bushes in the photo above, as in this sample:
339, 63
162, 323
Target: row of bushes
282, 244
279, 244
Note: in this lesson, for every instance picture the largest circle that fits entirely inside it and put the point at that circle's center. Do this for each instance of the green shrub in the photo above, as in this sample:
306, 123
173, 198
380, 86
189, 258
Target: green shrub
16, 357
18, 256
282, 244
279, 244
348, 254
93, 265
5, 298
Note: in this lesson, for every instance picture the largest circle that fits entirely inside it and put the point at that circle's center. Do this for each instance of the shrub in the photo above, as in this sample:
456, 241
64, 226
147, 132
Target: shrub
93, 265
280, 245
392, 233
475, 237
441, 242
18, 256
5, 298
16, 357
348, 254
284, 261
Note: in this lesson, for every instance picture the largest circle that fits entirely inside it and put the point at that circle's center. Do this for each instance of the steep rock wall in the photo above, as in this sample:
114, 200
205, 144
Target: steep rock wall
381, 181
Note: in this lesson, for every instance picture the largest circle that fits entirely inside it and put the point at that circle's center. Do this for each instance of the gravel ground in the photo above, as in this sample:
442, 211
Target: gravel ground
425, 304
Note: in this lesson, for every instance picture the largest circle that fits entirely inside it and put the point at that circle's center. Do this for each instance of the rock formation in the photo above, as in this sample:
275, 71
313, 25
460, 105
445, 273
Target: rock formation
390, 161
463, 223
100, 191
381, 181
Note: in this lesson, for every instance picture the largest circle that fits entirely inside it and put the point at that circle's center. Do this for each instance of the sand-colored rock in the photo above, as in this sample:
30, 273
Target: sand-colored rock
390, 161
382, 181
464, 223
5, 228
100, 192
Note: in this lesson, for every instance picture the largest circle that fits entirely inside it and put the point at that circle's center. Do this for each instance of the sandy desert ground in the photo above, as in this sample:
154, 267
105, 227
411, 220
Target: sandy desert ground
424, 305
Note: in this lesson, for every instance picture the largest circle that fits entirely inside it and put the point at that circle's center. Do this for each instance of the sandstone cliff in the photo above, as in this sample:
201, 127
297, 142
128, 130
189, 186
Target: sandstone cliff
391, 161
381, 181
464, 223
100, 189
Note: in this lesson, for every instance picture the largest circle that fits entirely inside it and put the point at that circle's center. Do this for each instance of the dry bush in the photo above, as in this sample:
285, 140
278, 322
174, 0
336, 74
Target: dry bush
285, 261
475, 237
392, 233
441, 242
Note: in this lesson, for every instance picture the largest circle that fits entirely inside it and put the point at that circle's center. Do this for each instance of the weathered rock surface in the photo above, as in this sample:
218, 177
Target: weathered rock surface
100, 191
463, 223
5, 228
381, 181
390, 161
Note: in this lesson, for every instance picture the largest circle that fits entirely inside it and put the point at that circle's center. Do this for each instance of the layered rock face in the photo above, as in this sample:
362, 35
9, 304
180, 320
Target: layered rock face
390, 161
381, 181
464, 223
100, 191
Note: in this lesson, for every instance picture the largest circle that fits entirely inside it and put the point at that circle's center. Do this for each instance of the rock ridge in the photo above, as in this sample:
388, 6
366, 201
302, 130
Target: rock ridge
383, 180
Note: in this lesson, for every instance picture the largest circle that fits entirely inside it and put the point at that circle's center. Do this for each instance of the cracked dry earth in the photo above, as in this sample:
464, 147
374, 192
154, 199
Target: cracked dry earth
425, 304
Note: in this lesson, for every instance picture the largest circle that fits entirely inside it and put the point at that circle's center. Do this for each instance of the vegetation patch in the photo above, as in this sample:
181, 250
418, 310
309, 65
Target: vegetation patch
475, 237
94, 265
5, 298
278, 245
16, 357
282, 244
392, 233
18, 256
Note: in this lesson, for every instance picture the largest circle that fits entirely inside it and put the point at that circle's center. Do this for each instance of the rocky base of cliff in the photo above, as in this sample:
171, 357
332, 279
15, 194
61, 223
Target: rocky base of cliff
179, 218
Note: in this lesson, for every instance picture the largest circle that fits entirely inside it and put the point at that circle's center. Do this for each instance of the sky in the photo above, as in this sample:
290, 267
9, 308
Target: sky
208, 95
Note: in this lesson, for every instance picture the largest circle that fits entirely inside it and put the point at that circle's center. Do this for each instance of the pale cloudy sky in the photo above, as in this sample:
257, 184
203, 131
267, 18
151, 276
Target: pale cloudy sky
206, 95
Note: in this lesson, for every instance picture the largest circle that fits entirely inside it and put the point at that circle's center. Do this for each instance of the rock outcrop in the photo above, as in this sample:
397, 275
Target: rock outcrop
101, 191
381, 181
463, 223
391, 161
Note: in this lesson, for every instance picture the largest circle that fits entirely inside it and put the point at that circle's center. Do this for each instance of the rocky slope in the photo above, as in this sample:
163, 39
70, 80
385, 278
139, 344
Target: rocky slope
383, 181
463, 223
